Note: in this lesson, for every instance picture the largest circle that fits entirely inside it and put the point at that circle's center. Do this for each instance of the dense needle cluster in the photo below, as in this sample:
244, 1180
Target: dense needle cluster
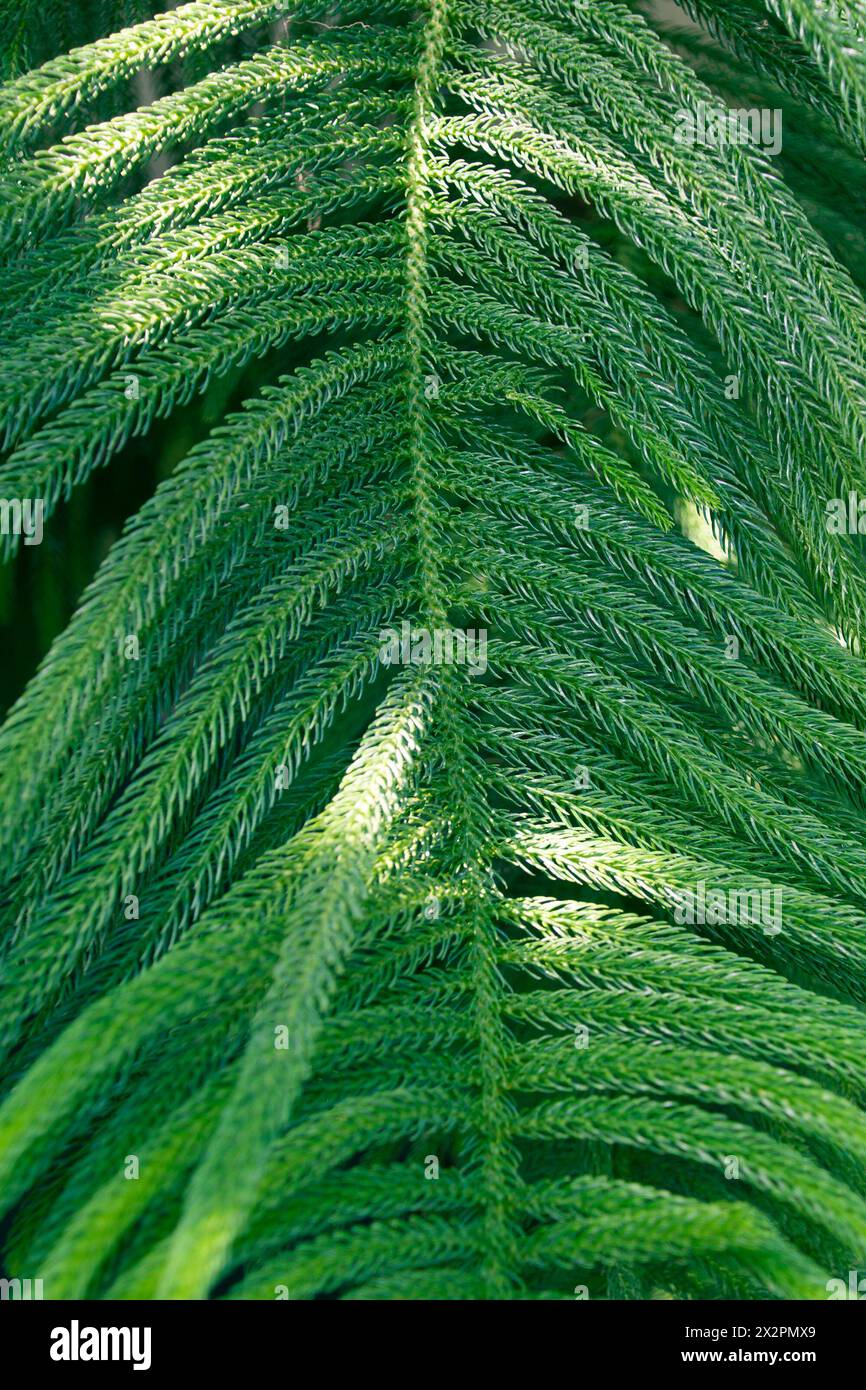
386, 973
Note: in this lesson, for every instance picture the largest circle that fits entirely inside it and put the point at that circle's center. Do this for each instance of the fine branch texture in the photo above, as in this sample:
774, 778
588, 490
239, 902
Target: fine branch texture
432, 854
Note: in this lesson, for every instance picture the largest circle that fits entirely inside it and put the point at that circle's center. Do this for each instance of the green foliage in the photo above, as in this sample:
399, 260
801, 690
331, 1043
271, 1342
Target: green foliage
325, 975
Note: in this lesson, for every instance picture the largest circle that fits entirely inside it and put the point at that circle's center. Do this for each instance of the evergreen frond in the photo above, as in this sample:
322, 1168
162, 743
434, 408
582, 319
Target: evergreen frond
433, 848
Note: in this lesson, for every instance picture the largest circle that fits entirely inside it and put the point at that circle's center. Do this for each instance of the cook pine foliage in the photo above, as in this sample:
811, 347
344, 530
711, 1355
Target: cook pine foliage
328, 976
